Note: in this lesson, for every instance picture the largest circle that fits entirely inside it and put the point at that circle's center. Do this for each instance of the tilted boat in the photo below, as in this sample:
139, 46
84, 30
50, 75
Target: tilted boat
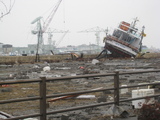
125, 41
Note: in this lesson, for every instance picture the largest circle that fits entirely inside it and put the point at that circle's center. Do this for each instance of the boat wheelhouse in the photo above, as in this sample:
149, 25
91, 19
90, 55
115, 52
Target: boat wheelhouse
125, 41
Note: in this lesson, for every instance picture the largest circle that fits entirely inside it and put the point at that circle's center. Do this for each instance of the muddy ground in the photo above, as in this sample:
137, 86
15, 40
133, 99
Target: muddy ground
72, 68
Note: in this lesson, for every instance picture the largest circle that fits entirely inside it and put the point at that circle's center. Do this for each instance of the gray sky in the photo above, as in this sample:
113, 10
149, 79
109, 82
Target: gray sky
79, 15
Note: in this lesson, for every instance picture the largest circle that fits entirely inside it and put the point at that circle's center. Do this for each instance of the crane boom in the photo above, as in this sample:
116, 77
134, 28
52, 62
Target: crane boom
97, 31
50, 17
61, 38
38, 18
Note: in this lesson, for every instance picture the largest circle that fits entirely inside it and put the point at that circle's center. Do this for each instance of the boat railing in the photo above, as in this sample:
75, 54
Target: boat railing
136, 33
109, 37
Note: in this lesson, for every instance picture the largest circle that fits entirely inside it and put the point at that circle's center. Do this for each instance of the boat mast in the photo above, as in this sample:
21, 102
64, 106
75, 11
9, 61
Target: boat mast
134, 23
142, 35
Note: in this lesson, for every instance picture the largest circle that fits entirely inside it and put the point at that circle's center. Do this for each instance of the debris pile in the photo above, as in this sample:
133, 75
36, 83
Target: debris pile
33, 71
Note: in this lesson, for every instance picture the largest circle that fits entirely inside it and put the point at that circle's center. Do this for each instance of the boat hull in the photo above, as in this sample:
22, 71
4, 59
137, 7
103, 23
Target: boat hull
118, 49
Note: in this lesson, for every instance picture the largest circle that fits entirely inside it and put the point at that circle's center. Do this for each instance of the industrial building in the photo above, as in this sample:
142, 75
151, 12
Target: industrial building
31, 49
6, 49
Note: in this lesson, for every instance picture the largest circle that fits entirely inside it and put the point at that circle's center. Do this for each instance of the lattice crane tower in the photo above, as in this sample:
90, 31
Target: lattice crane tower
41, 29
50, 35
97, 31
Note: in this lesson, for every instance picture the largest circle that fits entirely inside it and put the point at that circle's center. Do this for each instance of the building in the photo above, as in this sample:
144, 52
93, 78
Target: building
1, 50
31, 49
7, 49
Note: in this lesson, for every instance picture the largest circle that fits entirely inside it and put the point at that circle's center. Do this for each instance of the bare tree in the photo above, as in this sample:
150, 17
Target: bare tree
6, 7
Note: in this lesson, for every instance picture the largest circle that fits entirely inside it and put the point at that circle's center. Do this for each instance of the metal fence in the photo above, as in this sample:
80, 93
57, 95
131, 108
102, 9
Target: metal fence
42, 95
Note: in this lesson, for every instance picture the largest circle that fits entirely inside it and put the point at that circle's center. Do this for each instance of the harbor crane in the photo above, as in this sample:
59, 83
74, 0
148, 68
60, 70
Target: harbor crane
97, 31
55, 44
50, 35
41, 29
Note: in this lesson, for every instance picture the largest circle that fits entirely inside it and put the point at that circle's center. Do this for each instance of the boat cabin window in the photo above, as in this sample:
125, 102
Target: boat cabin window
123, 36
117, 33
133, 31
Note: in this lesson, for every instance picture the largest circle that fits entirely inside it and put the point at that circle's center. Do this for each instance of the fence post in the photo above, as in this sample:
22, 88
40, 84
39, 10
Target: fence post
116, 86
43, 98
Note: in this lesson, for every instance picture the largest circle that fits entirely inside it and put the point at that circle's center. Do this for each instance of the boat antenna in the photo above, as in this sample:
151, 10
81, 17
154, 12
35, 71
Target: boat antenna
134, 23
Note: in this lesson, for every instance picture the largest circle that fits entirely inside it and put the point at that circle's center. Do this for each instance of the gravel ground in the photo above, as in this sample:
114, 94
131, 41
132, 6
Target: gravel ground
72, 68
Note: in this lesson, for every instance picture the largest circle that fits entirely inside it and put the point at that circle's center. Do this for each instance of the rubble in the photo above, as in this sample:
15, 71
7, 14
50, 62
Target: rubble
46, 69
116, 111
74, 68
5, 89
4, 115
95, 61
30, 119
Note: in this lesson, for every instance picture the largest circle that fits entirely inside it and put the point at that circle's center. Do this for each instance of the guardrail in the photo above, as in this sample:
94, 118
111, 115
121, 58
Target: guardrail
42, 87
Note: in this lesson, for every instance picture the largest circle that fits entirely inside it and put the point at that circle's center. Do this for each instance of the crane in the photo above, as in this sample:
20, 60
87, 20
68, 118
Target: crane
97, 31
50, 35
41, 29
60, 40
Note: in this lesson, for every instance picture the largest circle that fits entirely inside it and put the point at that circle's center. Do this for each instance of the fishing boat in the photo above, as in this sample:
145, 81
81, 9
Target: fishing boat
125, 41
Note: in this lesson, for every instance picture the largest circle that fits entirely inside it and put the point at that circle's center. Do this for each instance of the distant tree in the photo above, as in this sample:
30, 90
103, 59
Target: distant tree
6, 7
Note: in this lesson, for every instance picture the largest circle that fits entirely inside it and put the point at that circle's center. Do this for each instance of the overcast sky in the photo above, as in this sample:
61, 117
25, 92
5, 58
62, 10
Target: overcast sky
78, 15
